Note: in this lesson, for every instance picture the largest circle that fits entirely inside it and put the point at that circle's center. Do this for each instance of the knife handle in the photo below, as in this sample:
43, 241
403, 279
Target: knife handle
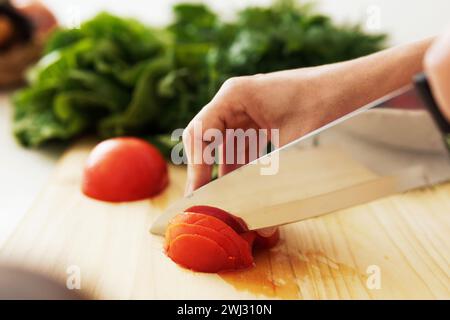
423, 88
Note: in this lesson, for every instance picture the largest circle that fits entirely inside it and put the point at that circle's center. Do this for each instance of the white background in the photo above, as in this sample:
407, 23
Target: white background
404, 20
24, 172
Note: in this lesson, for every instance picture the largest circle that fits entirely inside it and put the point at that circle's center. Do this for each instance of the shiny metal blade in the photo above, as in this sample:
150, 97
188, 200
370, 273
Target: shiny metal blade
251, 195
364, 192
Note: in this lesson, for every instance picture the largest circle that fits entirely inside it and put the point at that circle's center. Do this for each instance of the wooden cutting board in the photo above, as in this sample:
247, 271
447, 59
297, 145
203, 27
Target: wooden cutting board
397, 247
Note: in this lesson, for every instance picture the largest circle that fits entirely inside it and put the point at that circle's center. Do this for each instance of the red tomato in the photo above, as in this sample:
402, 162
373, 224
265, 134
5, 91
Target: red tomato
124, 169
209, 239
234, 222
238, 225
207, 244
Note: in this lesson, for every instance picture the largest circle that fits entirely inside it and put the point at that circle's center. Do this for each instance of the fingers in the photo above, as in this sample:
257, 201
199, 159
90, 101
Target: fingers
205, 133
437, 67
228, 159
237, 151
267, 232
197, 176
196, 145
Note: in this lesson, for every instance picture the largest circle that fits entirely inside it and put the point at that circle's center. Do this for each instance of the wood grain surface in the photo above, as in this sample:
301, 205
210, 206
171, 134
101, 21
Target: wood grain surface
393, 248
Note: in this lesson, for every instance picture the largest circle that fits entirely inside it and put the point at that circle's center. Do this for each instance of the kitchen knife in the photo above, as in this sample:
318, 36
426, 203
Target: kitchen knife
271, 200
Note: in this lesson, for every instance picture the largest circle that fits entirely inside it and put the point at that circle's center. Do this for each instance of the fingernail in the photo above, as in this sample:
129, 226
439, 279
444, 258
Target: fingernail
266, 232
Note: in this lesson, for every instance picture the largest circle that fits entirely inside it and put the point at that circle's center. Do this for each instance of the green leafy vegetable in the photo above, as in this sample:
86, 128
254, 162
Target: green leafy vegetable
114, 76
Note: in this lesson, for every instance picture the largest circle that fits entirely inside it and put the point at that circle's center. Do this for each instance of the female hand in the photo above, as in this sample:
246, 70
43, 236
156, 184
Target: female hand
289, 101
297, 101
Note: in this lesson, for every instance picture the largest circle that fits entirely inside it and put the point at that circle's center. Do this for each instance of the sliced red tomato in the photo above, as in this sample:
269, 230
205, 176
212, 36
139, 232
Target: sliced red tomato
124, 169
224, 230
259, 240
249, 237
199, 253
245, 259
234, 222
223, 241
238, 248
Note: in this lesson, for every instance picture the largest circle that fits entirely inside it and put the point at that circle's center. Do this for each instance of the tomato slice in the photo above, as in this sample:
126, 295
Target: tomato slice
249, 237
222, 229
243, 259
224, 242
124, 169
239, 226
234, 222
199, 253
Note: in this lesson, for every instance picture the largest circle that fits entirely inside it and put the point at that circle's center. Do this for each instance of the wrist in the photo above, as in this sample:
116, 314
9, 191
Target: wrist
437, 66
360, 81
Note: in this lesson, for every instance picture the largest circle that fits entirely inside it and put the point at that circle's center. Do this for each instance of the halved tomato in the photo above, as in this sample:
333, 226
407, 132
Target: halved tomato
124, 169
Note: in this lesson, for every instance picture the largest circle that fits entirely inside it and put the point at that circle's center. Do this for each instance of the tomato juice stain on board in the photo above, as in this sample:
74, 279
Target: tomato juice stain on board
281, 274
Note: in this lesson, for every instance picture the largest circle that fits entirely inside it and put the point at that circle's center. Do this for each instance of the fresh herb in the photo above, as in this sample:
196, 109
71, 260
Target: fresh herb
115, 76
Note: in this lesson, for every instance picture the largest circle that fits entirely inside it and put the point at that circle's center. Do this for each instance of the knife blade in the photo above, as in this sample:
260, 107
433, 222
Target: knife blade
271, 200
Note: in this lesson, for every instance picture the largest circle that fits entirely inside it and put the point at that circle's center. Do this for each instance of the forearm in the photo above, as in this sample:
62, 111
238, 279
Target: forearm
301, 100
357, 82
